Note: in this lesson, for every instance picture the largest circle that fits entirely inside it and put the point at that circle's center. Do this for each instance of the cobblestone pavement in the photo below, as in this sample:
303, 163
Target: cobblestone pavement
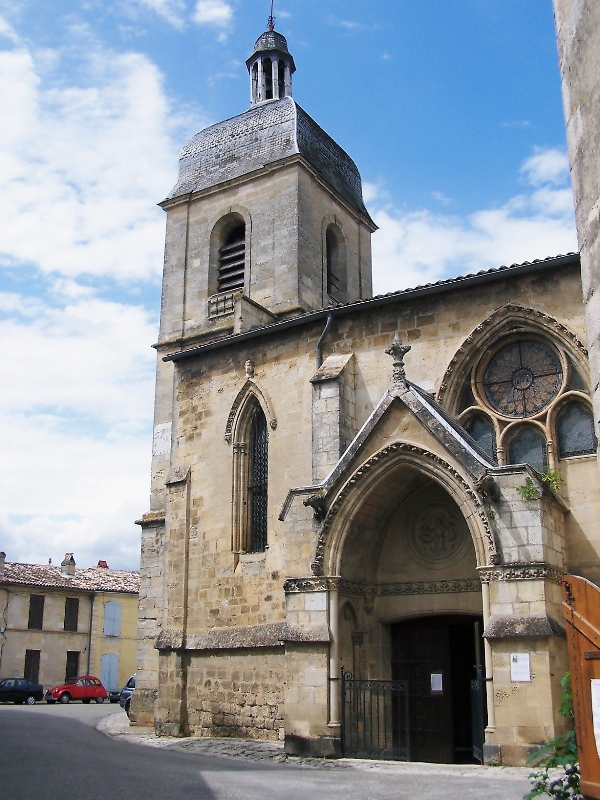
117, 726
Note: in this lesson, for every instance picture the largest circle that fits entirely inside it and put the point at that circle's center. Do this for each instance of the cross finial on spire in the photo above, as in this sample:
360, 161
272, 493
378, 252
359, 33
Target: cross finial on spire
398, 351
271, 22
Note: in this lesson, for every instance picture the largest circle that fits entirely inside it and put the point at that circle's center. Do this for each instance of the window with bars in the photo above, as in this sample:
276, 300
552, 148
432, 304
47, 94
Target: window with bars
71, 613
258, 484
36, 612
575, 431
232, 261
481, 430
528, 446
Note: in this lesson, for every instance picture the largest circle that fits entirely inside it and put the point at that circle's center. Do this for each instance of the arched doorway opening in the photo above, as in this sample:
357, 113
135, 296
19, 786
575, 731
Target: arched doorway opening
440, 656
410, 599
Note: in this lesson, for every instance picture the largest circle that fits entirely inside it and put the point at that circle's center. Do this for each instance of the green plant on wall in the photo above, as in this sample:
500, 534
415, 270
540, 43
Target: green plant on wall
557, 763
551, 478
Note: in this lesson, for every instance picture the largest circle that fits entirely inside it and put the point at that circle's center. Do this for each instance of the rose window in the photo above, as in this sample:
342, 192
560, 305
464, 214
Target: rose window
522, 379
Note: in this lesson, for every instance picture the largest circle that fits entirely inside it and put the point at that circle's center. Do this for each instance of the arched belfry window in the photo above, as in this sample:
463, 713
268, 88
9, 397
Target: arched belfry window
575, 430
232, 260
335, 263
250, 480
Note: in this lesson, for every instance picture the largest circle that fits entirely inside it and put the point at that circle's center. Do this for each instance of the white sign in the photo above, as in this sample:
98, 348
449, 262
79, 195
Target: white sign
161, 445
595, 690
519, 668
437, 684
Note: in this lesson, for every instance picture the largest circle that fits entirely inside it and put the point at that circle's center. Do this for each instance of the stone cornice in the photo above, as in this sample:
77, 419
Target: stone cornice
247, 637
521, 572
323, 584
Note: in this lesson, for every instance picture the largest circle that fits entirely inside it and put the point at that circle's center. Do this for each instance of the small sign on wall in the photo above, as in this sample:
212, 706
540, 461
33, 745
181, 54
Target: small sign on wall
437, 683
520, 670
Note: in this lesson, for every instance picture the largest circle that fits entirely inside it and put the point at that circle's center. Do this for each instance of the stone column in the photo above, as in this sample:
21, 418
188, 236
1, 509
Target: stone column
288, 81
275, 78
308, 660
261, 81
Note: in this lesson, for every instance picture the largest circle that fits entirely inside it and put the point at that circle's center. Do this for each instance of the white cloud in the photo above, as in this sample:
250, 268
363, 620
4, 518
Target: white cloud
212, 12
83, 163
172, 10
417, 247
76, 407
91, 146
546, 166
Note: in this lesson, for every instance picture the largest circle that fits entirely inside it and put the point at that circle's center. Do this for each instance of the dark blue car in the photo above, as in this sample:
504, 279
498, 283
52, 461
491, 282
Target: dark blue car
18, 690
126, 692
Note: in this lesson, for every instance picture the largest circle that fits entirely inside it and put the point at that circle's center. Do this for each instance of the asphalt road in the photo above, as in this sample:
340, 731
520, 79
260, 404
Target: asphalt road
57, 756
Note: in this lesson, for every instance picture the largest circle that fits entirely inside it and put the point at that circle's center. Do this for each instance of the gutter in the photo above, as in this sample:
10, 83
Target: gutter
489, 276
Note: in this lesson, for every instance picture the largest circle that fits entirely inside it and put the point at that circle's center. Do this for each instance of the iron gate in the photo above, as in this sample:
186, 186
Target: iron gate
375, 718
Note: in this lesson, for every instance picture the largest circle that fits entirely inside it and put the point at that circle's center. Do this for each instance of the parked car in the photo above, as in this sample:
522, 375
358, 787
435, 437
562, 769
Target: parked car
18, 690
86, 688
126, 692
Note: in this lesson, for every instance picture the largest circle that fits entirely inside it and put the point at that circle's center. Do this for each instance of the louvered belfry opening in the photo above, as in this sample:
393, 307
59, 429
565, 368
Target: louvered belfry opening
257, 490
232, 261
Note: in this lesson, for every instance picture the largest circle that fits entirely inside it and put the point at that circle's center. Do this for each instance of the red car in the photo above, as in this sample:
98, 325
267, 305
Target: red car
86, 688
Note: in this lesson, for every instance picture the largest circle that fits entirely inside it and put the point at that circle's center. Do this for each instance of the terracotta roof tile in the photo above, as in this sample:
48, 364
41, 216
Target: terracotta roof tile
94, 579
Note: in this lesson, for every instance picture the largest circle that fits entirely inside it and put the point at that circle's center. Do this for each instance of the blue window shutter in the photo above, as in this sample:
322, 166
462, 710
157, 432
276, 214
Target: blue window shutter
112, 618
109, 671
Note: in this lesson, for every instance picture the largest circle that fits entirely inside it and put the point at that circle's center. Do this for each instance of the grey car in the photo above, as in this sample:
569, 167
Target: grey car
126, 692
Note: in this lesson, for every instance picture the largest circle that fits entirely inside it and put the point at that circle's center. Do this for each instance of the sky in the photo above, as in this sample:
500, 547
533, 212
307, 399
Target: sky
451, 109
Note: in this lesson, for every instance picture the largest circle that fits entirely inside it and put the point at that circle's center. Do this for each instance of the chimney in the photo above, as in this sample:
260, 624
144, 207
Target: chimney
103, 564
2, 563
67, 566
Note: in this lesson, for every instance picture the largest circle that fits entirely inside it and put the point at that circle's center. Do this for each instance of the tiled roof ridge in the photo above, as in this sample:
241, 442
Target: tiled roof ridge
94, 578
458, 278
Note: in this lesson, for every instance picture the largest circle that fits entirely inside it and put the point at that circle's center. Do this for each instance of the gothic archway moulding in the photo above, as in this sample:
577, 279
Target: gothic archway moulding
249, 388
503, 321
335, 527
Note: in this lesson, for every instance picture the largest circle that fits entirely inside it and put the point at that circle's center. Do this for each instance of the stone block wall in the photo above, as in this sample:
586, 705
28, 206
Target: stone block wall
237, 693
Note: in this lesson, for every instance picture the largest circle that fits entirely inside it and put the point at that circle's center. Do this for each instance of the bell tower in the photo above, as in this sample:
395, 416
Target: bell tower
270, 66
266, 220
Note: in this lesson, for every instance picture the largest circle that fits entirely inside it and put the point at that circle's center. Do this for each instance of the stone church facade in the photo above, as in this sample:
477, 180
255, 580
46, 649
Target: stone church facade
388, 485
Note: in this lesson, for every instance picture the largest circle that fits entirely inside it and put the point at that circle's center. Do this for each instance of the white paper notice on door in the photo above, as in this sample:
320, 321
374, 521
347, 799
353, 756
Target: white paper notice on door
437, 685
519, 668
595, 692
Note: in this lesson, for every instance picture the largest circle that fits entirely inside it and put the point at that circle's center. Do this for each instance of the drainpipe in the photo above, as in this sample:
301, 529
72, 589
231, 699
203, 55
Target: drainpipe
319, 350
89, 658
4, 625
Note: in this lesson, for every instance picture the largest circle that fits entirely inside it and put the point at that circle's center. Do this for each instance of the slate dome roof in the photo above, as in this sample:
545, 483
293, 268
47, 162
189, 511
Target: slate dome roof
270, 40
265, 134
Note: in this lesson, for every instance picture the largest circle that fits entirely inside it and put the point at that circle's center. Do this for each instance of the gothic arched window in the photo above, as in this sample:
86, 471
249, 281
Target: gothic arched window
527, 445
250, 479
575, 431
481, 429
232, 260
258, 474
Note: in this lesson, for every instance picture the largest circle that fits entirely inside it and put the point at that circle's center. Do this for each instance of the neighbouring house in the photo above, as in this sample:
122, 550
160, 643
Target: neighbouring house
60, 622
